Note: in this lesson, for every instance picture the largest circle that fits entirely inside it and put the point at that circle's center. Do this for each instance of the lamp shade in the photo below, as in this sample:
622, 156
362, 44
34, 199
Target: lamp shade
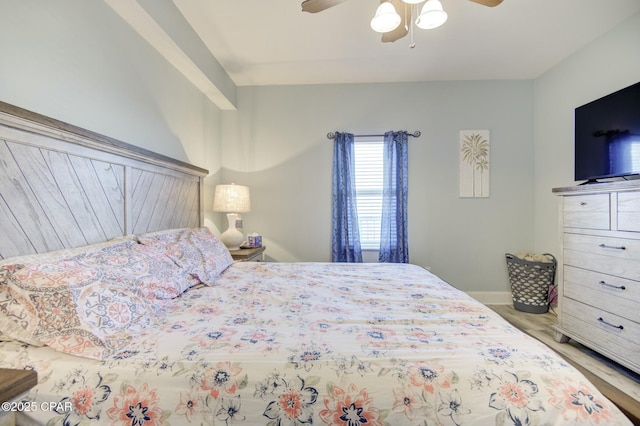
432, 15
231, 199
386, 18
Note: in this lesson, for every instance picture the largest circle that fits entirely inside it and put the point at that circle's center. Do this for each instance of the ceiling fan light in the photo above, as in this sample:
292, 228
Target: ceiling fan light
386, 18
432, 15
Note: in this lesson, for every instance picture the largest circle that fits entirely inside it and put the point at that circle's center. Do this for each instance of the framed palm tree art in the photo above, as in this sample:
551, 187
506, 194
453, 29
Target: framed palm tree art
474, 163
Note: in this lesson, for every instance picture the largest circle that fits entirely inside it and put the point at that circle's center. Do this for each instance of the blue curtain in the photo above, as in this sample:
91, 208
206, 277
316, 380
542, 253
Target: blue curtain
394, 241
345, 235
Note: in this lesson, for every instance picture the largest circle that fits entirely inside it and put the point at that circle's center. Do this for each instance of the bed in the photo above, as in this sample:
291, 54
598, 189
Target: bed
148, 321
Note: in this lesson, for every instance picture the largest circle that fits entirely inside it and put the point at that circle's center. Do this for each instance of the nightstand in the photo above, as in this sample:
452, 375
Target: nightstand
14, 384
248, 255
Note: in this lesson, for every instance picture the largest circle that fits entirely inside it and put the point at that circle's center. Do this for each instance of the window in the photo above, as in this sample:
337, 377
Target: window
368, 174
369, 208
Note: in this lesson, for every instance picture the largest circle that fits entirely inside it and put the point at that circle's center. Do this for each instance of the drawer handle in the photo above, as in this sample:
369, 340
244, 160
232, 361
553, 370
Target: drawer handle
583, 203
619, 287
610, 325
613, 247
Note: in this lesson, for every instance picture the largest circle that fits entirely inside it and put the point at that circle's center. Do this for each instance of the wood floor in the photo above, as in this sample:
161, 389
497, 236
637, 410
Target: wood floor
617, 383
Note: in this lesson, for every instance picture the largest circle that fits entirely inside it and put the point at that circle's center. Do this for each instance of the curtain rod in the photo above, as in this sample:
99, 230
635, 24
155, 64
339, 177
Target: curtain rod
332, 135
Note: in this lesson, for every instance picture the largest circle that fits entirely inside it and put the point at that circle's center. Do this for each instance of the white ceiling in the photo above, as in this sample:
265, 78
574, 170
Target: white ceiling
272, 42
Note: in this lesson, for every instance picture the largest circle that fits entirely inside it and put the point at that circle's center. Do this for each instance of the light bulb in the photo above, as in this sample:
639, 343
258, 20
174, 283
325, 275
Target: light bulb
386, 18
432, 15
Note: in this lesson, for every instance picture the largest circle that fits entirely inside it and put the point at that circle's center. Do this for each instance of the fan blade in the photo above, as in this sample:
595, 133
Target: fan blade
403, 9
490, 3
315, 6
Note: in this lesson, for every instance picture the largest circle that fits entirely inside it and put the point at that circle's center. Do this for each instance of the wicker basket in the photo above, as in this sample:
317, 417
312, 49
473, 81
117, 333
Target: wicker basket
530, 283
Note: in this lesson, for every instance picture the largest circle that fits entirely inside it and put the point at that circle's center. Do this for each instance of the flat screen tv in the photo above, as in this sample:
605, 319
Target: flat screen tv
607, 136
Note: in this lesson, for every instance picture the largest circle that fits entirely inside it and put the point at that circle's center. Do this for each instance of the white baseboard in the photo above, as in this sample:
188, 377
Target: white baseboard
492, 297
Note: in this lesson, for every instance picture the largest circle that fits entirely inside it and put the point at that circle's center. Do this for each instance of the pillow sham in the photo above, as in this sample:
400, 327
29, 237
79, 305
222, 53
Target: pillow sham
57, 255
195, 250
3, 278
151, 274
90, 305
15, 315
76, 309
3, 273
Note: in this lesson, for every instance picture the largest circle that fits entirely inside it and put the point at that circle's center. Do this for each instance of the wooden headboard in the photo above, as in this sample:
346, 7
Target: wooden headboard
62, 186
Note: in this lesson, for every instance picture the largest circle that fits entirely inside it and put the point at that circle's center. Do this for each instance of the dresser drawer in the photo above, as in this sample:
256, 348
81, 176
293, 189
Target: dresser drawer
587, 211
602, 291
629, 211
624, 248
613, 256
608, 332
599, 263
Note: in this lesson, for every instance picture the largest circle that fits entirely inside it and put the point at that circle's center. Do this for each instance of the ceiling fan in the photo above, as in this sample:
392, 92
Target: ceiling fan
392, 16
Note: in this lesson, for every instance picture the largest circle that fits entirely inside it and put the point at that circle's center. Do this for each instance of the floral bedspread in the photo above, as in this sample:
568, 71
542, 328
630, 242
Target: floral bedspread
314, 343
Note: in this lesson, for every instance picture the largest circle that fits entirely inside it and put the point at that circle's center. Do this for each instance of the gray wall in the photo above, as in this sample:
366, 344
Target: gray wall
276, 143
604, 66
77, 61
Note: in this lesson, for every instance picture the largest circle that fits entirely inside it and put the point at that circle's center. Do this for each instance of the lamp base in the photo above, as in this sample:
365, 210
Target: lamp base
232, 238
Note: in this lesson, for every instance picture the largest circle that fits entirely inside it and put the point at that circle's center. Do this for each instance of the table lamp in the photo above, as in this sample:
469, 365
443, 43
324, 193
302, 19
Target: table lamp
232, 199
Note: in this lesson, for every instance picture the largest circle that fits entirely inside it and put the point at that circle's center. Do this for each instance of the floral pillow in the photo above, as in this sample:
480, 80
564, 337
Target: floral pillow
15, 315
90, 305
195, 250
76, 309
153, 275
57, 255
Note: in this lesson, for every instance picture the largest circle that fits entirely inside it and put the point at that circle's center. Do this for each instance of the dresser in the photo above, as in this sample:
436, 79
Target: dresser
599, 270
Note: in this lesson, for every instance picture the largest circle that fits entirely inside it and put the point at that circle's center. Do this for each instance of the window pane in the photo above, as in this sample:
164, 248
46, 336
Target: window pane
368, 172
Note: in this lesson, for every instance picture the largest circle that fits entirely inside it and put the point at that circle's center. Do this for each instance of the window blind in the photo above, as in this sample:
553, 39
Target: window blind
368, 176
